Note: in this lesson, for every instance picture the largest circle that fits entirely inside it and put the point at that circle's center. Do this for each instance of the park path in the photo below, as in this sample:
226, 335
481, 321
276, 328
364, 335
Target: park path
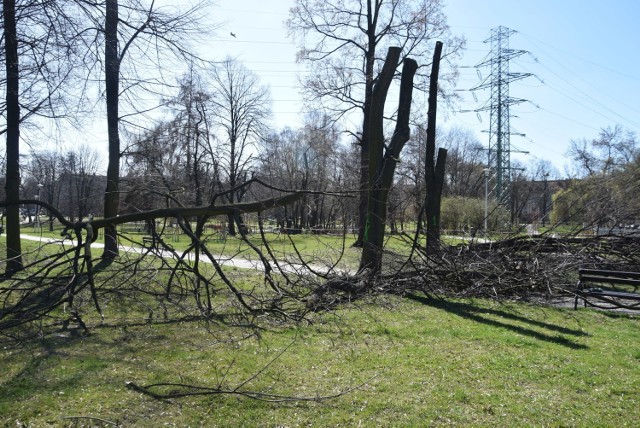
222, 260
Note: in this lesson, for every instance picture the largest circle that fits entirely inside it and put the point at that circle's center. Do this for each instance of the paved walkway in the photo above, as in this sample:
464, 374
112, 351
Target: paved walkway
227, 261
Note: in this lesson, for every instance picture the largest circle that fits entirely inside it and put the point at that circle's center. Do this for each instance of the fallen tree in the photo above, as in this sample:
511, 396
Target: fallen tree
69, 276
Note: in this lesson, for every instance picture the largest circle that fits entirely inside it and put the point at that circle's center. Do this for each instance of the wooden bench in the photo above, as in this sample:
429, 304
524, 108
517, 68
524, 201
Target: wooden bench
620, 289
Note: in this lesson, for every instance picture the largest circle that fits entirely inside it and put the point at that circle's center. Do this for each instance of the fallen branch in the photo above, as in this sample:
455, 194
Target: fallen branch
92, 418
256, 395
185, 390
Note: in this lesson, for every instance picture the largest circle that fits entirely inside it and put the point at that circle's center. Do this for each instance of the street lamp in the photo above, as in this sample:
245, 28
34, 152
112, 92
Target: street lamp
544, 200
40, 185
35, 224
486, 198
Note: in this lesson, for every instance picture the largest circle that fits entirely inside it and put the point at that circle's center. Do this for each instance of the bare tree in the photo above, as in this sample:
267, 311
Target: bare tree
344, 43
321, 138
192, 124
466, 160
305, 159
154, 169
242, 108
79, 182
602, 196
14, 251
617, 147
283, 164
40, 55
123, 37
613, 149
46, 167
177, 156
112, 62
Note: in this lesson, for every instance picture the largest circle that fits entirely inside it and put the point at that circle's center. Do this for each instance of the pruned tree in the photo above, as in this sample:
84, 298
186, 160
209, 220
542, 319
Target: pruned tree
434, 168
465, 164
383, 158
343, 42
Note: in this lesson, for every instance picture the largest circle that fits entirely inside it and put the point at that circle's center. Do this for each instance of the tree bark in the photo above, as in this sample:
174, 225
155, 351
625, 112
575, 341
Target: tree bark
112, 83
365, 145
434, 169
382, 163
14, 250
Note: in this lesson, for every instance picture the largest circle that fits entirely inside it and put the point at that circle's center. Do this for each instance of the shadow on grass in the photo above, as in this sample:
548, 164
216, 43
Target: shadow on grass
35, 377
475, 313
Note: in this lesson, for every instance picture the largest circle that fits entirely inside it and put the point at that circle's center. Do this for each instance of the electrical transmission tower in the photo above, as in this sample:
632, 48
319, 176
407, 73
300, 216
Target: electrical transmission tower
499, 159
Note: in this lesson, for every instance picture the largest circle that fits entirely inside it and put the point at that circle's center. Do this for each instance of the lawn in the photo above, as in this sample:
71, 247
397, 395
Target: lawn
320, 250
422, 362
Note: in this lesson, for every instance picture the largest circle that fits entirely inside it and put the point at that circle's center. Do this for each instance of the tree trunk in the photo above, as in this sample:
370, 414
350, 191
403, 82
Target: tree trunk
112, 84
14, 250
231, 224
433, 200
365, 145
382, 163
434, 169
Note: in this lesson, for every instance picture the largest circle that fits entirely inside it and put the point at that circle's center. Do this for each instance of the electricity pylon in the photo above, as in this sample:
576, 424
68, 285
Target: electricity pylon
499, 159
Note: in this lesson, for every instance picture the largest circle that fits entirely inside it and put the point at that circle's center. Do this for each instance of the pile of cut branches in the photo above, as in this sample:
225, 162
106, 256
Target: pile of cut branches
515, 268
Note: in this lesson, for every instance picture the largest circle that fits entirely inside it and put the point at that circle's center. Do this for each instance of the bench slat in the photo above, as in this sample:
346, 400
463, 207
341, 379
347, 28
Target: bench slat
604, 276
609, 280
618, 294
617, 303
609, 273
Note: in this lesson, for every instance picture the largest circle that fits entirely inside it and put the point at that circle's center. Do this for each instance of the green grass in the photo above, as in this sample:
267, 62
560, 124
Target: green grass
321, 251
451, 362
318, 249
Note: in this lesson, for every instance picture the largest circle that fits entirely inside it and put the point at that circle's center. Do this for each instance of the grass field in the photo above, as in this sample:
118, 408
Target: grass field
425, 362
324, 250
414, 361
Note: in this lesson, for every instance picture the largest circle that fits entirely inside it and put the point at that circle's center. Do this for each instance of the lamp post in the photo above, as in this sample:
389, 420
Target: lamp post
486, 198
36, 223
544, 200
40, 185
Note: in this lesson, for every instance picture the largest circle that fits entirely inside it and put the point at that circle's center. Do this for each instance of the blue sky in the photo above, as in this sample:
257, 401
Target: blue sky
583, 55
584, 60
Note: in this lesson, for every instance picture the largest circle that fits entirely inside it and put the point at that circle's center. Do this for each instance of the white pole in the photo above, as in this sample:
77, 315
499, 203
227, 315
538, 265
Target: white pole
486, 198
